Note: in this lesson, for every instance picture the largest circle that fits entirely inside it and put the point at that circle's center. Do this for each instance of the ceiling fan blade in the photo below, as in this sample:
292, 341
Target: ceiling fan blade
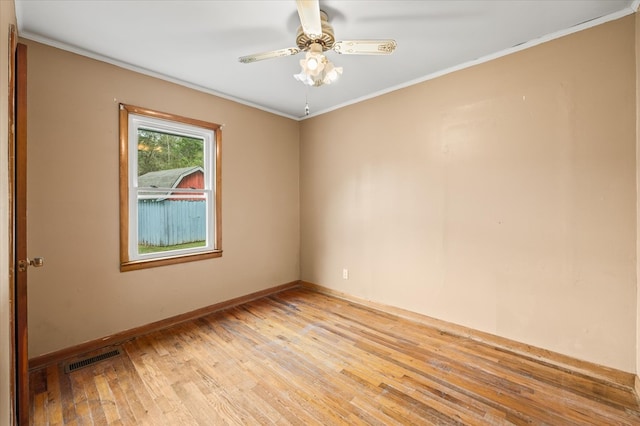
309, 12
268, 55
365, 47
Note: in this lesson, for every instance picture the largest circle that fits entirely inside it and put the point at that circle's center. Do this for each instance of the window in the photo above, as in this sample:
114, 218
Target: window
169, 189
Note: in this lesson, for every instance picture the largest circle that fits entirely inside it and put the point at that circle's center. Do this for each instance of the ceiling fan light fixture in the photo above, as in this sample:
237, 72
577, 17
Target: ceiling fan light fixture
313, 64
316, 68
331, 73
304, 79
314, 61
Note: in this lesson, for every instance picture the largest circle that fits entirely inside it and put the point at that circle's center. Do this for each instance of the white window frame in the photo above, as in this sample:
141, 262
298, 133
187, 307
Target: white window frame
131, 120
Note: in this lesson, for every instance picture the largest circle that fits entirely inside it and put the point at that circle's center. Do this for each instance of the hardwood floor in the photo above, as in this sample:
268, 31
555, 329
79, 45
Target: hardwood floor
301, 357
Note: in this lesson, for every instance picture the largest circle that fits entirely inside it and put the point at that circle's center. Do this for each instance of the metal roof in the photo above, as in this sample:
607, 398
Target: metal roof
166, 178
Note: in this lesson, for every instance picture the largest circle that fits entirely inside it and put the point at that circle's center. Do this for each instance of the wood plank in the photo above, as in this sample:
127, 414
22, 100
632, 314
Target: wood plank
54, 397
303, 357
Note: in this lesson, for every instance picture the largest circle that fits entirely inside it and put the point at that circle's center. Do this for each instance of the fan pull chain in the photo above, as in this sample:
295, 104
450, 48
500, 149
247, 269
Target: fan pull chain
306, 103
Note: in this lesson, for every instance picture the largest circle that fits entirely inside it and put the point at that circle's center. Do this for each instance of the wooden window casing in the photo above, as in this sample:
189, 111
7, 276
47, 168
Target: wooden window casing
129, 262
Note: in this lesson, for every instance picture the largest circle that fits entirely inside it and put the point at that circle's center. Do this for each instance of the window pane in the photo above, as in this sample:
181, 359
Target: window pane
166, 224
170, 220
159, 153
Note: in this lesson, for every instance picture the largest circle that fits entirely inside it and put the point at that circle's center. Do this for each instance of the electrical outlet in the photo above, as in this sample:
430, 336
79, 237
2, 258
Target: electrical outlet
345, 274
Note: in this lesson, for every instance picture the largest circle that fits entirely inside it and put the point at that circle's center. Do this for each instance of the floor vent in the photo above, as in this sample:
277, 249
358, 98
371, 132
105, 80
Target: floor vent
73, 366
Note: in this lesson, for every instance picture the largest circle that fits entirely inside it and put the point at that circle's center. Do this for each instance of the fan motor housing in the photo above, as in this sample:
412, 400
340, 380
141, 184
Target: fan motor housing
326, 40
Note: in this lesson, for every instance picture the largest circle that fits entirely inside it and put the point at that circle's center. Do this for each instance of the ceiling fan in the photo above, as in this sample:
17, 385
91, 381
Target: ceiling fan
315, 36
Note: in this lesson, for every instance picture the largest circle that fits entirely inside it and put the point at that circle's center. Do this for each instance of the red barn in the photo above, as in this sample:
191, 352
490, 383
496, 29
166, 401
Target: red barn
185, 177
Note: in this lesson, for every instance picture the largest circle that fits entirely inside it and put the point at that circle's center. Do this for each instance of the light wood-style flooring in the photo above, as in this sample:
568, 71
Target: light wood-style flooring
305, 358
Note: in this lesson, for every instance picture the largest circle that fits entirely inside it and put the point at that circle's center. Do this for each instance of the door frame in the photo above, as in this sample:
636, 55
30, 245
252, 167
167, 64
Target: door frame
11, 225
18, 228
22, 347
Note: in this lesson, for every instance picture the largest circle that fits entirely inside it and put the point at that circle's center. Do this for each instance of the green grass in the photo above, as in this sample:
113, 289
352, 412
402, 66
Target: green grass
143, 249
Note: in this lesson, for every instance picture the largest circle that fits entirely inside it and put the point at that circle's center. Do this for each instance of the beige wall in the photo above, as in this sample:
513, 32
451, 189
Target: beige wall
501, 197
7, 18
73, 202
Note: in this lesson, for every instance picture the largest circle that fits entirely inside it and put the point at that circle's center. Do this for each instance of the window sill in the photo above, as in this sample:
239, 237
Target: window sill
135, 265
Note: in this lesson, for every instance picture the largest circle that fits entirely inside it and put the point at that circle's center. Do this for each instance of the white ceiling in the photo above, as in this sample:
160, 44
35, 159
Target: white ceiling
197, 43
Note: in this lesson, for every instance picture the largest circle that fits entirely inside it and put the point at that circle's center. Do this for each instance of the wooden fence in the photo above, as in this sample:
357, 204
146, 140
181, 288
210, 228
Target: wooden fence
171, 222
